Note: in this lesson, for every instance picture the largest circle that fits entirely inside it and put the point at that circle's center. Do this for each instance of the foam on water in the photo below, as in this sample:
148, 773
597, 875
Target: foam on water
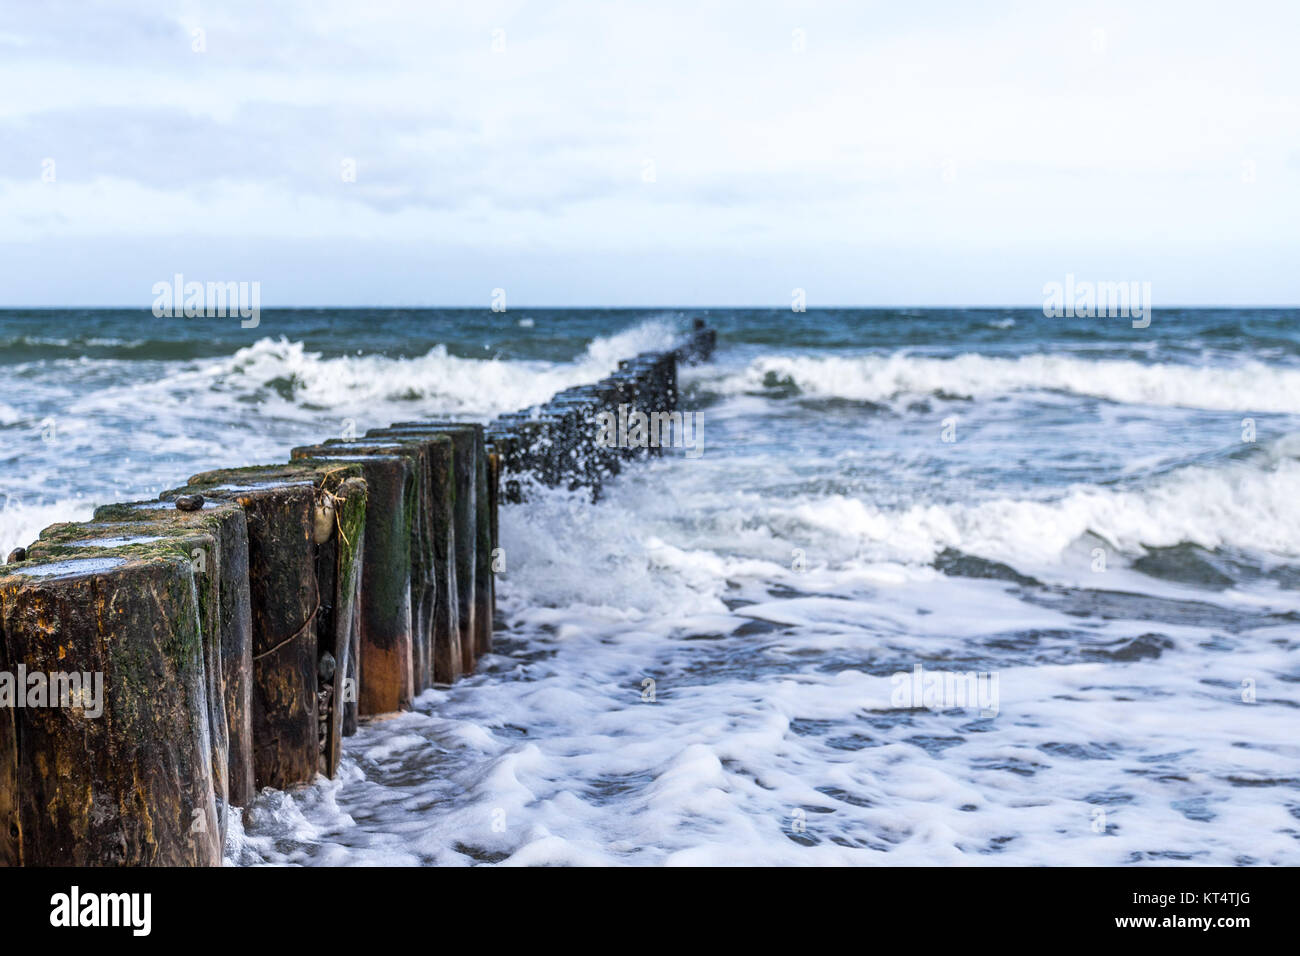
100, 430
1242, 505
770, 733
1250, 387
21, 522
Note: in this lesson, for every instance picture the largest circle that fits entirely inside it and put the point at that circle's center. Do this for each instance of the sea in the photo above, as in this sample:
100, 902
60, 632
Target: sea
939, 587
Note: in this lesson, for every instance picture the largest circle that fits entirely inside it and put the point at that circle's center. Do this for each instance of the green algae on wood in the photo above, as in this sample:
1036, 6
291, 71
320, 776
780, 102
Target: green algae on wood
132, 785
422, 544
228, 567
289, 632
200, 547
433, 554
338, 573
466, 446
384, 668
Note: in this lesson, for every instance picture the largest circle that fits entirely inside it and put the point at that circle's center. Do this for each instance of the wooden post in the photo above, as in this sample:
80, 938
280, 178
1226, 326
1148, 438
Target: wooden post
421, 540
495, 552
473, 555
434, 553
386, 626
448, 662
338, 572
119, 524
198, 544
132, 784
295, 621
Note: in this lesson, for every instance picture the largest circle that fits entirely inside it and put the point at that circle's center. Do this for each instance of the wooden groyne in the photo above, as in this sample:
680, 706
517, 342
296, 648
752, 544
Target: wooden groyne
163, 661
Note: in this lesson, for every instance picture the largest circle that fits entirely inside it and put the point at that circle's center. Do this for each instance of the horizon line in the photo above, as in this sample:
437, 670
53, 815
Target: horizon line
612, 308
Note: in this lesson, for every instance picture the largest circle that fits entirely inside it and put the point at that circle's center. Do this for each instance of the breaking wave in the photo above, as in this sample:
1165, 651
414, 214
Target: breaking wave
1249, 387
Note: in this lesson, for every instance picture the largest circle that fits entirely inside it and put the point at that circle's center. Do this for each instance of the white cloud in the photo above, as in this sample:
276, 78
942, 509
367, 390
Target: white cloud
940, 127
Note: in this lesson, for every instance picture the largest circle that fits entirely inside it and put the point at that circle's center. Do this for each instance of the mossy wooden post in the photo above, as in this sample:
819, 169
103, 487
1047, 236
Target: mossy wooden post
75, 541
466, 452
338, 572
384, 666
11, 849
131, 785
285, 601
448, 663
423, 545
483, 592
434, 553
295, 621
121, 525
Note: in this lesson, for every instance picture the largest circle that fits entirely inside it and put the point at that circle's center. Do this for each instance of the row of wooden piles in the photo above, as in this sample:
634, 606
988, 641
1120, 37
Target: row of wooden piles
558, 444
243, 623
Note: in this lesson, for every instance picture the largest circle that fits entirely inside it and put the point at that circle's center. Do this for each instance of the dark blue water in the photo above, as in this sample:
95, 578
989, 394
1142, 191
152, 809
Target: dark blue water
559, 334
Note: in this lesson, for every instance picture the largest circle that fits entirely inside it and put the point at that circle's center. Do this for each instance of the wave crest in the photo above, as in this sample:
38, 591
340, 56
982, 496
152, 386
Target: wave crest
1252, 387
1248, 505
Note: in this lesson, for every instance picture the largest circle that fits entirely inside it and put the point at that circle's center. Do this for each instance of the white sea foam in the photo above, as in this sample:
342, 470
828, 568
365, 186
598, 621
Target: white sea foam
749, 753
118, 436
1251, 387
782, 745
21, 522
287, 379
1241, 504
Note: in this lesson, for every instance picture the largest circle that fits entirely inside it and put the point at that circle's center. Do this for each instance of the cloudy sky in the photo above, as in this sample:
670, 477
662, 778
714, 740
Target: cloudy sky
656, 153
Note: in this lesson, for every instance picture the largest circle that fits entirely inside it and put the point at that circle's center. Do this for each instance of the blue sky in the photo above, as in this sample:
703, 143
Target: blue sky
669, 153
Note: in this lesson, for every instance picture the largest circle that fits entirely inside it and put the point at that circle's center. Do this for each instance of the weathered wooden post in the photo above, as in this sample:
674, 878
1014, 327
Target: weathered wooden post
118, 773
505, 444
434, 456
387, 620
422, 539
74, 541
301, 629
119, 526
494, 538
448, 660
585, 464
698, 345
625, 388
541, 445
229, 571
473, 528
